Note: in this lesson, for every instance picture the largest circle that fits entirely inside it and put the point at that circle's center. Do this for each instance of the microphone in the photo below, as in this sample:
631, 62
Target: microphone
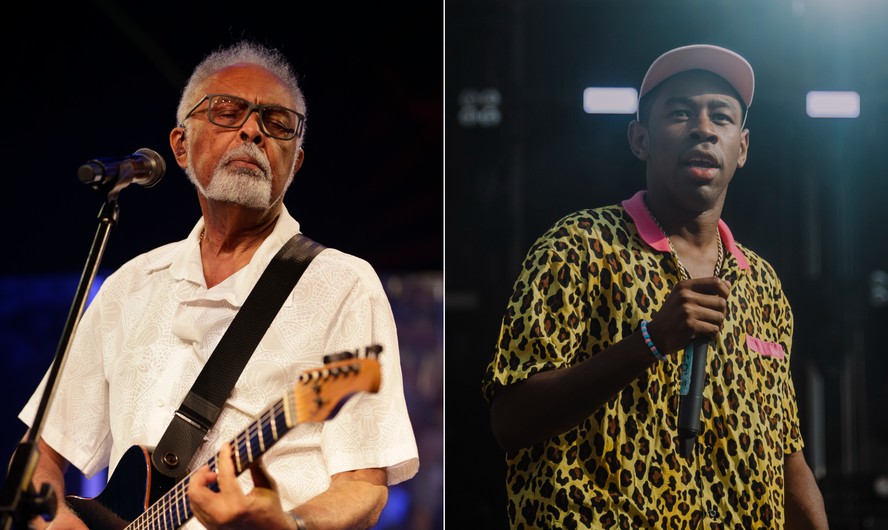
144, 167
693, 376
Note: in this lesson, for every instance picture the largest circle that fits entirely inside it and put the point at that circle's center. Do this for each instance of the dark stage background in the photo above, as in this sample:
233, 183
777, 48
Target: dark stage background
520, 153
102, 78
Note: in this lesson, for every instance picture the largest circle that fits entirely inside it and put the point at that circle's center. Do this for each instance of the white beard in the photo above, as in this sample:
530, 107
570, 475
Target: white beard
248, 187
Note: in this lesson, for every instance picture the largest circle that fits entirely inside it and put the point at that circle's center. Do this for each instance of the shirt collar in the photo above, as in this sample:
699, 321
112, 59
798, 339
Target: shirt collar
653, 236
184, 262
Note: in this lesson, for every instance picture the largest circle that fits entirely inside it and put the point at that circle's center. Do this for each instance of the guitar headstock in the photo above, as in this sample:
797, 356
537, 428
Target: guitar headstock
322, 391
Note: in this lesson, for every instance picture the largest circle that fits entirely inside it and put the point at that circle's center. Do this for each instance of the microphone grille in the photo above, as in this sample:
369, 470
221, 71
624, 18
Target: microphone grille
158, 167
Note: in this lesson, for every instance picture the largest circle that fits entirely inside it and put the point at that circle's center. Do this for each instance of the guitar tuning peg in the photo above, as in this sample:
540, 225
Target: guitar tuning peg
341, 356
370, 351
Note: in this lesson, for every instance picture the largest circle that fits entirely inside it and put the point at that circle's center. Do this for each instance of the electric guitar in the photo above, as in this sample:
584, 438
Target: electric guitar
139, 497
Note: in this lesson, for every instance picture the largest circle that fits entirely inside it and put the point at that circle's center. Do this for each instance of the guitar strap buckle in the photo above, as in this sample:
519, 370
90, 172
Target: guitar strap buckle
185, 434
198, 411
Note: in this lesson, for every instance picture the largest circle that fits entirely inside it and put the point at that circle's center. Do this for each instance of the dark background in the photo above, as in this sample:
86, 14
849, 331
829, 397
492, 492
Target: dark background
102, 78
810, 200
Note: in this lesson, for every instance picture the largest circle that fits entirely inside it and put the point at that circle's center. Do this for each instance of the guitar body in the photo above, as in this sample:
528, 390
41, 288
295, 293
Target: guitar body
134, 486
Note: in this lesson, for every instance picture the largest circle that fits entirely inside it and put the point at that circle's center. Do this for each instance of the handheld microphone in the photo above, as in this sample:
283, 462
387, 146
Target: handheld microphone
691, 395
144, 167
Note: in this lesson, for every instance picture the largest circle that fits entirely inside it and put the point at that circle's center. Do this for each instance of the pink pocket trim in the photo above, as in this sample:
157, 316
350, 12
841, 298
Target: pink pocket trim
768, 349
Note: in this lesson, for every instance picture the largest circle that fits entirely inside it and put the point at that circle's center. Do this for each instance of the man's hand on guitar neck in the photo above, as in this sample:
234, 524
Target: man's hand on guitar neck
354, 500
229, 507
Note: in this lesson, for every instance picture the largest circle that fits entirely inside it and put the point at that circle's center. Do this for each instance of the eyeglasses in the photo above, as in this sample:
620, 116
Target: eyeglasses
232, 112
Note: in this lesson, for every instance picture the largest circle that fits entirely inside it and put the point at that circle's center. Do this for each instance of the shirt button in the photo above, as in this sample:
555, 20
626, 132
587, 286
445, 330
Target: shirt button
159, 402
713, 513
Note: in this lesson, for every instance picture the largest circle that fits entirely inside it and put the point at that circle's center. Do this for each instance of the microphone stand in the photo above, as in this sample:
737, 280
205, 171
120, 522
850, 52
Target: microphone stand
19, 502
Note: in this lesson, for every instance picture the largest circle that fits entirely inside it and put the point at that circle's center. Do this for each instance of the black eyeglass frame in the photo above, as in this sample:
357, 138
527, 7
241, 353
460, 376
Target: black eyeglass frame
251, 108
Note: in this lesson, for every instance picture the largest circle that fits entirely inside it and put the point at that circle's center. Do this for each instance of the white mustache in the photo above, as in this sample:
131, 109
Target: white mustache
257, 155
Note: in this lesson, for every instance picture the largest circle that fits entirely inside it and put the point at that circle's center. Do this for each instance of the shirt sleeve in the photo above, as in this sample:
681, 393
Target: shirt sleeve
373, 429
544, 326
76, 424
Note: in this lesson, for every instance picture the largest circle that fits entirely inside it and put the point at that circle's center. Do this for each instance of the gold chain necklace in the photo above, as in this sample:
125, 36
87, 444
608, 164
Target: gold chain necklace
684, 271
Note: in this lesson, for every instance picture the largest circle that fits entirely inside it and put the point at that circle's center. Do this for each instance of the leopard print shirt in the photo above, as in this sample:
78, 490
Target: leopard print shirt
586, 284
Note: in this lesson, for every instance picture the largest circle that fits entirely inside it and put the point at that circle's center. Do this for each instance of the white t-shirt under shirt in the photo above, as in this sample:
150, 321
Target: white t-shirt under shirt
145, 337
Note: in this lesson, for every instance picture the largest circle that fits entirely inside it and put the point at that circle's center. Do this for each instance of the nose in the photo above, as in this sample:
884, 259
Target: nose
703, 130
251, 130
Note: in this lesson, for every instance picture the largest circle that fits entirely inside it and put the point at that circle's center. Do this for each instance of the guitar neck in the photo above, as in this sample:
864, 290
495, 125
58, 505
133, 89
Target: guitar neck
173, 509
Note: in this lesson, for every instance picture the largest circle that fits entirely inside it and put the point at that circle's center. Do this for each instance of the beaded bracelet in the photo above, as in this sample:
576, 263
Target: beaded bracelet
300, 522
649, 342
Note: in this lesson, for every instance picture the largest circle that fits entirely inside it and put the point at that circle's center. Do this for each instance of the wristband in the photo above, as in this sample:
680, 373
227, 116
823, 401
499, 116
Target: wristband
649, 342
300, 522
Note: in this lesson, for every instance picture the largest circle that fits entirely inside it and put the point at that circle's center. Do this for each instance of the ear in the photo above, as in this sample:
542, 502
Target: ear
300, 157
638, 139
177, 144
744, 148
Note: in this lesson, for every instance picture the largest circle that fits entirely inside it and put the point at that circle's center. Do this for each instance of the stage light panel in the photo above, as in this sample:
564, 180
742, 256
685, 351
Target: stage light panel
610, 100
832, 104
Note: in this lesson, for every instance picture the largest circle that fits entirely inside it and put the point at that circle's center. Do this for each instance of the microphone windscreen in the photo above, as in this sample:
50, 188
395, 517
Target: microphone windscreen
157, 167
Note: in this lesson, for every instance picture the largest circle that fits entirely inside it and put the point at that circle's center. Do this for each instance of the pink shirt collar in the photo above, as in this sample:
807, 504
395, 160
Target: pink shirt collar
654, 237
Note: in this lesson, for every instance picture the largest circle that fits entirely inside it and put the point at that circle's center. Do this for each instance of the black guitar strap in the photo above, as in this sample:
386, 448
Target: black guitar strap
203, 404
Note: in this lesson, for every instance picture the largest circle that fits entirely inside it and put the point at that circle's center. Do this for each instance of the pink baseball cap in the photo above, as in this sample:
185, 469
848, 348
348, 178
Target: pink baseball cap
723, 62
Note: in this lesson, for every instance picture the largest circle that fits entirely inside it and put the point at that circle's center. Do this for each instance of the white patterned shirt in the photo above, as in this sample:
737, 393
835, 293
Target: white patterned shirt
153, 324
